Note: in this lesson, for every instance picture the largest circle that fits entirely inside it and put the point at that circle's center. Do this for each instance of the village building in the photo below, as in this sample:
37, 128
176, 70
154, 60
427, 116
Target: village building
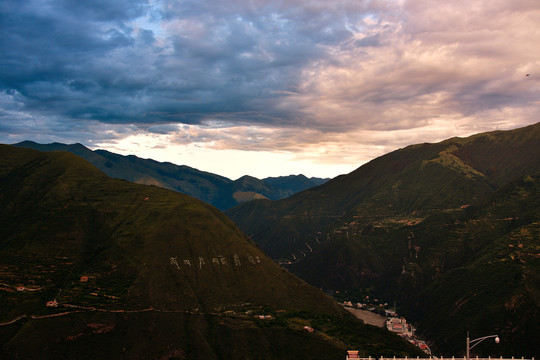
398, 325
309, 329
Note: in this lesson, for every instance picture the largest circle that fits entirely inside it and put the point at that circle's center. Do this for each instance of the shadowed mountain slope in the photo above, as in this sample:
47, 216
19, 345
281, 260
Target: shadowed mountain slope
420, 221
418, 178
467, 269
94, 267
213, 189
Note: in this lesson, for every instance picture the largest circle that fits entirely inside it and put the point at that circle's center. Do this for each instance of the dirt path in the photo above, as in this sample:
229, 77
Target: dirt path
368, 317
91, 308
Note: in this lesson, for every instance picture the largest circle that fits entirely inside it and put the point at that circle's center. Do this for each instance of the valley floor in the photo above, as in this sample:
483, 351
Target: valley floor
368, 317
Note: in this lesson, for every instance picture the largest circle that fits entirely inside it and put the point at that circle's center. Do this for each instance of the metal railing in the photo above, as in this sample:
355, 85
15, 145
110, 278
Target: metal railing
440, 358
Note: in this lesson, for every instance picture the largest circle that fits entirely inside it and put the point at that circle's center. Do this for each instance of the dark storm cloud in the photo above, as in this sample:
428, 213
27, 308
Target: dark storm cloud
52, 54
89, 61
171, 61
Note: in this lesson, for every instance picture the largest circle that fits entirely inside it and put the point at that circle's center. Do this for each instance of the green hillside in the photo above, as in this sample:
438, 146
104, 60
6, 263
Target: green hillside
473, 269
136, 271
497, 286
400, 224
415, 179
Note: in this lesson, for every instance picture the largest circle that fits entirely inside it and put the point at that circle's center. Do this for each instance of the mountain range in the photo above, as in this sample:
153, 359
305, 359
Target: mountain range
213, 189
450, 230
94, 267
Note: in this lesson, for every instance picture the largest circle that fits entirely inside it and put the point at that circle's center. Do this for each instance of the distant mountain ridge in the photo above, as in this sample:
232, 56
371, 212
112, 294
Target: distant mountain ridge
294, 183
94, 267
213, 189
422, 220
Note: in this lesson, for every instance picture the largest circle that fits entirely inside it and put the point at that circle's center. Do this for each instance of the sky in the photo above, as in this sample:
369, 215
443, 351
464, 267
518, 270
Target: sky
265, 88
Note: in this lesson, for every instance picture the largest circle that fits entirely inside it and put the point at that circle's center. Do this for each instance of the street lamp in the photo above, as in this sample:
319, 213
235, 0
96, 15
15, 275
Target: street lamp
473, 343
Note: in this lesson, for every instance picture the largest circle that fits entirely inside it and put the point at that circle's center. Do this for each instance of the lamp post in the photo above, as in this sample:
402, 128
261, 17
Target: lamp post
473, 343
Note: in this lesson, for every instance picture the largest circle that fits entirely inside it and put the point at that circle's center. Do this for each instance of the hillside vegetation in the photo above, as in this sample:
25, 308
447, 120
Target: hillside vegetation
94, 267
448, 230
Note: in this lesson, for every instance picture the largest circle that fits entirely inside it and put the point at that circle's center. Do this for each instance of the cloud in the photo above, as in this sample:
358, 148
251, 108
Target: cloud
458, 66
258, 75
209, 59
